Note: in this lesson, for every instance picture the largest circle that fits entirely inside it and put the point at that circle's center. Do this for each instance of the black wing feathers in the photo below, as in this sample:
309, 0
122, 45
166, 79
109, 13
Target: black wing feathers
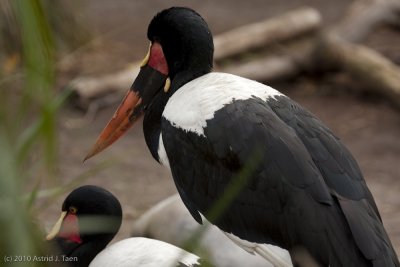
295, 196
344, 178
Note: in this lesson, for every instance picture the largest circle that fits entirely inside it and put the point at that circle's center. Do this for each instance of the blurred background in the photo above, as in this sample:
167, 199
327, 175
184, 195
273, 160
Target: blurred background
46, 129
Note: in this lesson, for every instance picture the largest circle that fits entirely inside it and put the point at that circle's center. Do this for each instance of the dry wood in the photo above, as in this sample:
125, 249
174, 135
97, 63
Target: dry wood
364, 15
366, 66
278, 29
265, 69
287, 61
86, 89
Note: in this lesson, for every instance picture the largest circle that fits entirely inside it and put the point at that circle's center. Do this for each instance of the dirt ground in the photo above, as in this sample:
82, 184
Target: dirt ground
367, 124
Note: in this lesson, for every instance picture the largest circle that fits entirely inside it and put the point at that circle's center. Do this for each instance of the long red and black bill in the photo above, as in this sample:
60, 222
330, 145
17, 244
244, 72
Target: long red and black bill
146, 85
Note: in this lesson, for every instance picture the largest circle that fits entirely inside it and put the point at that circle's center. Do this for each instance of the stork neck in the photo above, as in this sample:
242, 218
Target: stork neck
152, 122
183, 77
153, 113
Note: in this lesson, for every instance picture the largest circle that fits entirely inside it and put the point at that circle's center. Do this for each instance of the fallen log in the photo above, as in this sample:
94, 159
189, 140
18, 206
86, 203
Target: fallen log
87, 89
363, 16
278, 29
265, 69
369, 68
281, 61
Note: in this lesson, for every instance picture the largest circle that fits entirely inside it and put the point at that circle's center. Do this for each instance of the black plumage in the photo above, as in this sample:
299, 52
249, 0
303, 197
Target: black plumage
307, 189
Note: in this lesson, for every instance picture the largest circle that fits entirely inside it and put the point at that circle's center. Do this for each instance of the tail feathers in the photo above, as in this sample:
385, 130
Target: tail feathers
384, 262
369, 233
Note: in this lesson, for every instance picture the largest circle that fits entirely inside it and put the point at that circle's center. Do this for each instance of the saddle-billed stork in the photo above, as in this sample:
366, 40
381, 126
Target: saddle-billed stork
300, 186
91, 216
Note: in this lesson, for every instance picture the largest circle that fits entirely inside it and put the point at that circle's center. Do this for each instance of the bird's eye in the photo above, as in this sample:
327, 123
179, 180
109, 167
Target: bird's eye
73, 210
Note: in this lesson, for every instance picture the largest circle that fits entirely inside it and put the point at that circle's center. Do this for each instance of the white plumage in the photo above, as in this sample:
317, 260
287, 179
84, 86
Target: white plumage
162, 154
202, 97
279, 257
143, 252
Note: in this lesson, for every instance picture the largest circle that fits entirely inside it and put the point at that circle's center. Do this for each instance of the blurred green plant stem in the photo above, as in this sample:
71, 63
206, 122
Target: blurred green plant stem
28, 129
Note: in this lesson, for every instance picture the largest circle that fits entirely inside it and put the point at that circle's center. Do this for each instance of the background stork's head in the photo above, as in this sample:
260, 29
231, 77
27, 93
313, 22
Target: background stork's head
90, 217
